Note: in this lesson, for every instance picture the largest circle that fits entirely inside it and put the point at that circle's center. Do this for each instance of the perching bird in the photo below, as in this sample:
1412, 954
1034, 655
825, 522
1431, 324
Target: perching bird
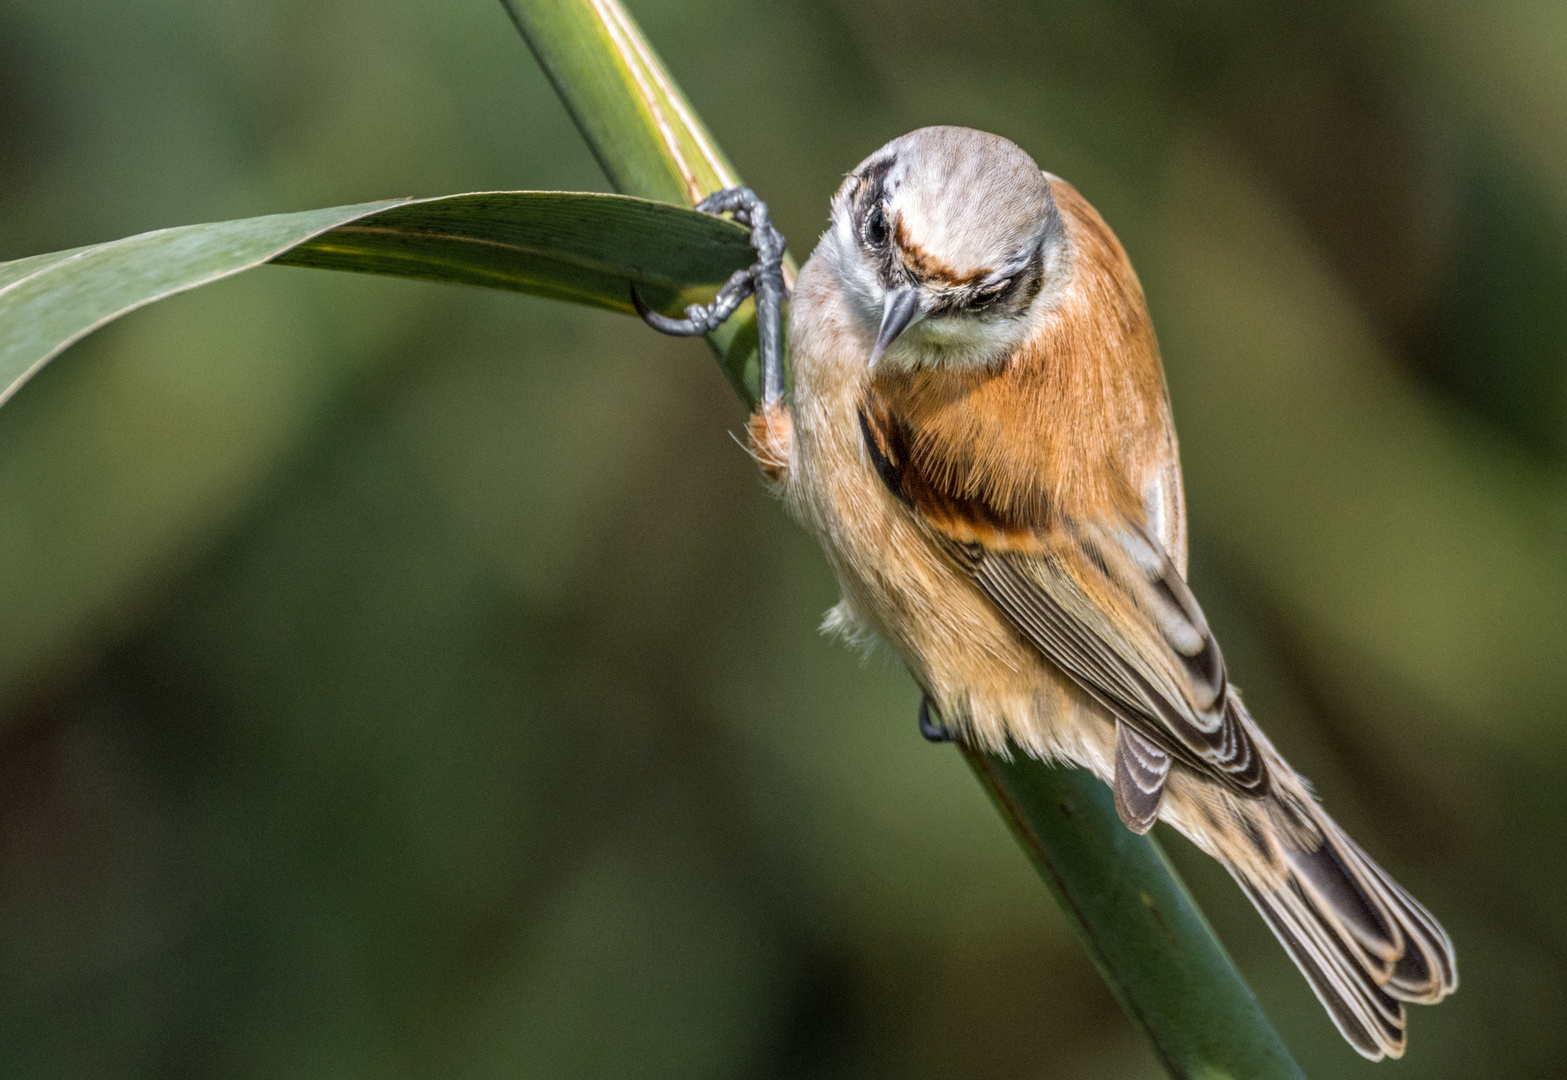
980, 437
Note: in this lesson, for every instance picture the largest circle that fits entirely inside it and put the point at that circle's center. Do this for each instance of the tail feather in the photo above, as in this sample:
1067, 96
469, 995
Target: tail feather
1370, 1020
1429, 972
1363, 943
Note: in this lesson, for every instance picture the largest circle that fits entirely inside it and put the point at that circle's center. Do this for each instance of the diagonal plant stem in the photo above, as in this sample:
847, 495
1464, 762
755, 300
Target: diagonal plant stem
639, 126
1128, 907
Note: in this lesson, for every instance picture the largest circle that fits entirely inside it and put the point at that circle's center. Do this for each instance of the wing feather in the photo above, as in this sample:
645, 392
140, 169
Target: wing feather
1154, 663
1141, 769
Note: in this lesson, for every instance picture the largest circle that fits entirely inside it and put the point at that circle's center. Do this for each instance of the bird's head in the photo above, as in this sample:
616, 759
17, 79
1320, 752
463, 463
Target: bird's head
949, 243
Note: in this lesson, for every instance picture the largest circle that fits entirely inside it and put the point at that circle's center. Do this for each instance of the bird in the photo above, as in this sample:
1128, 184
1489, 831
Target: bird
980, 436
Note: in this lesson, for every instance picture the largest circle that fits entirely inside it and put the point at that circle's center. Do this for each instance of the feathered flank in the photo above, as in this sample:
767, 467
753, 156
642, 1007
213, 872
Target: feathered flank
1001, 500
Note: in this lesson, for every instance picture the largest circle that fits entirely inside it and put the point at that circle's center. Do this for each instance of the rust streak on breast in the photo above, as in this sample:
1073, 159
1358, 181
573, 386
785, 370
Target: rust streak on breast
1071, 424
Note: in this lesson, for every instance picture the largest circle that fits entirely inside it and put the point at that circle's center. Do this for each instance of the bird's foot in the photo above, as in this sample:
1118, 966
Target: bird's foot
764, 278
933, 730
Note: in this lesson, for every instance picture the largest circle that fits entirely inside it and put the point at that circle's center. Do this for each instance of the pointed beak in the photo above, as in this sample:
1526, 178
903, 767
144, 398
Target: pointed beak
902, 311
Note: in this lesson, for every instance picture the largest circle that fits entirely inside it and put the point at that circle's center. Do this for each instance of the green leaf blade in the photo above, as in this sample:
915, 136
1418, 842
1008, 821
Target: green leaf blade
47, 302
583, 248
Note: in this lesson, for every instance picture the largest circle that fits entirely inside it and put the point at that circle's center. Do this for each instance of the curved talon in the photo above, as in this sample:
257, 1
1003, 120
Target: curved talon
700, 319
687, 327
736, 200
933, 731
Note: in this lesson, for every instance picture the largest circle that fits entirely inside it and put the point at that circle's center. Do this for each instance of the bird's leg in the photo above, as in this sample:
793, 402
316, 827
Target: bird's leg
764, 278
933, 730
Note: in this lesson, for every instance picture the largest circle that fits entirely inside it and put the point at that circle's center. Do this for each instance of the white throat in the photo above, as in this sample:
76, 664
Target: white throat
949, 340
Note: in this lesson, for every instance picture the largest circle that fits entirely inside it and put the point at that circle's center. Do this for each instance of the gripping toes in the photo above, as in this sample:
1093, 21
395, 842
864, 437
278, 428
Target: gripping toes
700, 318
764, 278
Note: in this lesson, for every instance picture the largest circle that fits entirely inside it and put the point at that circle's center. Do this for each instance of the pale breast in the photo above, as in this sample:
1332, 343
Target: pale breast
977, 669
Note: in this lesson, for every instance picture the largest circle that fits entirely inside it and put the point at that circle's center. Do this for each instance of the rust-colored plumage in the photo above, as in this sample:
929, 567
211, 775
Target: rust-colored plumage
1086, 391
980, 437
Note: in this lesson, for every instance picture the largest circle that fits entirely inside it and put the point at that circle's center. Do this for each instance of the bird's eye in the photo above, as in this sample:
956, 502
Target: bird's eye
990, 293
876, 225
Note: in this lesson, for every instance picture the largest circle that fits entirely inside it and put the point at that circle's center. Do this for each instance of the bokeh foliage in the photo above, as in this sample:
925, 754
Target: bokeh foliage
400, 679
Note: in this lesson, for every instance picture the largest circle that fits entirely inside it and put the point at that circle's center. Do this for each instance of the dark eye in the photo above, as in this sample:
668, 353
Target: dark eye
990, 293
876, 225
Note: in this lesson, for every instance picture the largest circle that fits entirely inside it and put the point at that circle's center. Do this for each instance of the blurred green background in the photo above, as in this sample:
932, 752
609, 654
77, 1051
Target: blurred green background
399, 680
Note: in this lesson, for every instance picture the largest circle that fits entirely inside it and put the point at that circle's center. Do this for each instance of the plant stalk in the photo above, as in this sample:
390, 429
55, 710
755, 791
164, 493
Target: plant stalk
1132, 913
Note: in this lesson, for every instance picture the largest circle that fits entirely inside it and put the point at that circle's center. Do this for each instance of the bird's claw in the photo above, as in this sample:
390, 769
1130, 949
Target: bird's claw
933, 730
764, 278
700, 318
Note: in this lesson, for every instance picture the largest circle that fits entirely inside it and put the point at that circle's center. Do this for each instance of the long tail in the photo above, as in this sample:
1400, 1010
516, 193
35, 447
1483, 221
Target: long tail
1365, 945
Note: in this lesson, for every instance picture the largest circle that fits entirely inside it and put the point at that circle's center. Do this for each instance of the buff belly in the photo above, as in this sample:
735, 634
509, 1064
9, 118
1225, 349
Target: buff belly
983, 678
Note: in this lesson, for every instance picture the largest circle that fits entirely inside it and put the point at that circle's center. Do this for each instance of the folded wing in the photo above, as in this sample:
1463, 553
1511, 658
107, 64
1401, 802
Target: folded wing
1103, 601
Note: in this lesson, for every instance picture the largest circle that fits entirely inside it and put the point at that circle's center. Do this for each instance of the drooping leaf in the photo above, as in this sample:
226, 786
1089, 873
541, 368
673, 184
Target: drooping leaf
585, 248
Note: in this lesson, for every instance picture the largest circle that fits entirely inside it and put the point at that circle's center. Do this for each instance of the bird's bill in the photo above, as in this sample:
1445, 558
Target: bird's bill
901, 311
